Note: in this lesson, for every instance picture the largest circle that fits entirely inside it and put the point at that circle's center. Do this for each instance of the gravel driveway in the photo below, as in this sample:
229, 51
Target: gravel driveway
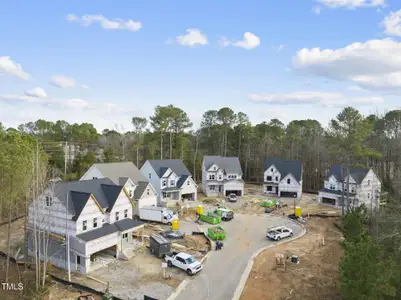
223, 269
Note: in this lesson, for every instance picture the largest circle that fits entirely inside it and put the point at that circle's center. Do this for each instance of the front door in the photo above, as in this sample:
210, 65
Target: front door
277, 190
78, 263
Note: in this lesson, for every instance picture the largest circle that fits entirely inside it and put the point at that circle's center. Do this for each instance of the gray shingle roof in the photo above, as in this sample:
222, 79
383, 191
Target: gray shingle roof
118, 170
357, 173
181, 181
128, 223
104, 190
176, 165
106, 229
285, 167
230, 165
336, 192
140, 189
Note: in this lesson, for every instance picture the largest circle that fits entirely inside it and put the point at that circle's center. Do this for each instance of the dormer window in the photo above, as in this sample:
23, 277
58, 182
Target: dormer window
49, 201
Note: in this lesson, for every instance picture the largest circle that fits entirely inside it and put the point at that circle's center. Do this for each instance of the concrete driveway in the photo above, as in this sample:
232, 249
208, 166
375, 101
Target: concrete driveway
223, 269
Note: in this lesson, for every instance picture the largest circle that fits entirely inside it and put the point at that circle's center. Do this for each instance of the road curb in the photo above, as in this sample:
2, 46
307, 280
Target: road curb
245, 275
178, 290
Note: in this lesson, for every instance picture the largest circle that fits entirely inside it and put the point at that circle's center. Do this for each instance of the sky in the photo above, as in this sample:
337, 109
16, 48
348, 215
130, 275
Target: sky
105, 62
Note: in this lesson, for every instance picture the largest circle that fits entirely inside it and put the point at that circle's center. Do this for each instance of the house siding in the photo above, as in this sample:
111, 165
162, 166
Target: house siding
92, 173
154, 180
295, 186
122, 203
190, 188
90, 211
145, 200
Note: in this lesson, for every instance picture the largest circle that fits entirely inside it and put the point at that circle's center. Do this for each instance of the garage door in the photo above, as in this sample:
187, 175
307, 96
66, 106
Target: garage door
237, 192
329, 201
288, 194
190, 196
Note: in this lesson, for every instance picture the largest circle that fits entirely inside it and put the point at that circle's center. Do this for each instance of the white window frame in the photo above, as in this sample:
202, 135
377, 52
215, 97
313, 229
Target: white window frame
172, 182
125, 213
212, 187
148, 192
150, 175
94, 222
117, 215
49, 201
288, 180
188, 182
164, 182
84, 225
211, 177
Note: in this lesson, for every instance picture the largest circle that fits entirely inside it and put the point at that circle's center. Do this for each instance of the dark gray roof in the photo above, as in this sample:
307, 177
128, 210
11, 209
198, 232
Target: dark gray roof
79, 200
104, 190
336, 192
170, 189
176, 165
118, 170
181, 181
285, 167
111, 192
230, 165
140, 189
106, 229
128, 223
358, 174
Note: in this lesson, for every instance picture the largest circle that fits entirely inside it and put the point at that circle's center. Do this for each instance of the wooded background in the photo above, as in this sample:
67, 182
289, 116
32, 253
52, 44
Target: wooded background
372, 141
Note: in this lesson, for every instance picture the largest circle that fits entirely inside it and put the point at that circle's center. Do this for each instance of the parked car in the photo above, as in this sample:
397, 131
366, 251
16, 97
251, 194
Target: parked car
278, 233
232, 197
184, 262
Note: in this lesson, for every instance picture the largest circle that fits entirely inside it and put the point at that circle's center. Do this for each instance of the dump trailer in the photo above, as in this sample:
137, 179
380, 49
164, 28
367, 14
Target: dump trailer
210, 218
159, 245
157, 214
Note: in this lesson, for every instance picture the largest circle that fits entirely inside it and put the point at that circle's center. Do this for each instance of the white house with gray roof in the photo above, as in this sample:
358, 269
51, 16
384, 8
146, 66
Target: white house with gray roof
128, 175
364, 187
222, 176
171, 179
282, 178
95, 215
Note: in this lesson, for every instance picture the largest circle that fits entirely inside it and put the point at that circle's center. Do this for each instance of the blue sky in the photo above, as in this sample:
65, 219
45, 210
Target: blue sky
107, 72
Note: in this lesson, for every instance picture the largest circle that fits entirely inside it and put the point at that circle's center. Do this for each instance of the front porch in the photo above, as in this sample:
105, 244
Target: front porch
169, 194
271, 188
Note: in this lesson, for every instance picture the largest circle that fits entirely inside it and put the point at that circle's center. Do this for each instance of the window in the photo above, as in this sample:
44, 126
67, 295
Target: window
130, 194
84, 225
268, 178
188, 182
148, 192
353, 190
215, 168
49, 201
126, 213
164, 195
332, 187
125, 235
211, 187
211, 177
271, 170
94, 222
117, 215
164, 182
94, 177
150, 175
172, 182
219, 177
288, 181
368, 195
234, 177
276, 178
368, 182
269, 188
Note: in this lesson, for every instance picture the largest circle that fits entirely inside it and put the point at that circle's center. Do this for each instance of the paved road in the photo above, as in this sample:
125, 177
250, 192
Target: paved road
223, 269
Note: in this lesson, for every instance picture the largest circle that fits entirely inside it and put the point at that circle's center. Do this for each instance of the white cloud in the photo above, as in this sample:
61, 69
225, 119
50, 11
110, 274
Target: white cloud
316, 10
36, 92
392, 24
105, 23
324, 98
249, 41
8, 66
351, 3
63, 82
192, 38
84, 86
355, 88
28, 99
375, 64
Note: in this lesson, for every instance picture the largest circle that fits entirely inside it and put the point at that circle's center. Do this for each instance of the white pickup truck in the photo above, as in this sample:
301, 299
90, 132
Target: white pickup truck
184, 262
277, 233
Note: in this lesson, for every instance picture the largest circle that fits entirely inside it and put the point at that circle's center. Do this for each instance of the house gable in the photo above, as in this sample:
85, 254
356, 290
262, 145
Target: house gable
291, 178
92, 173
213, 168
149, 191
90, 211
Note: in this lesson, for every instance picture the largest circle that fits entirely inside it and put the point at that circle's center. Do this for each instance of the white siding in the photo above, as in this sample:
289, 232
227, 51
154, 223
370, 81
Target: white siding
275, 173
122, 203
90, 211
130, 187
102, 243
369, 191
233, 186
172, 180
189, 187
213, 168
91, 173
154, 180
294, 186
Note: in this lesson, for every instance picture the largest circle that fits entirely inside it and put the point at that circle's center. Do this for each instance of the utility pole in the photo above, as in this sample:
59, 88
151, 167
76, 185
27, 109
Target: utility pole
67, 241
65, 159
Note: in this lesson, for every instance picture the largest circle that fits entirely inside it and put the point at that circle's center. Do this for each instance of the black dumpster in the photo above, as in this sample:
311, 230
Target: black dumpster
159, 245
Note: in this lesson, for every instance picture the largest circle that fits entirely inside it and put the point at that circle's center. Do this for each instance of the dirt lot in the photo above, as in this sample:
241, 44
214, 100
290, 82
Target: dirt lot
17, 236
314, 278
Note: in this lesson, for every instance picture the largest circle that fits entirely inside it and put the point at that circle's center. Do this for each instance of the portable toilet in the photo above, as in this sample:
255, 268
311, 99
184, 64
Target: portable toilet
175, 224
298, 211
199, 209
159, 245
